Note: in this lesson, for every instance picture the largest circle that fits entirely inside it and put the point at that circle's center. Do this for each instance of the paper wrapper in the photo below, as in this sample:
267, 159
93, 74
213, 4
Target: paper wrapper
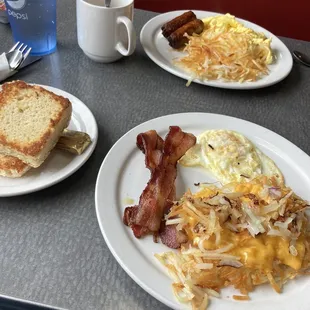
75, 142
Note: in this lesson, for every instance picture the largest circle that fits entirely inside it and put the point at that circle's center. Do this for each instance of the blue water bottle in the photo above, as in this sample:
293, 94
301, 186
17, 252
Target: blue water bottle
33, 23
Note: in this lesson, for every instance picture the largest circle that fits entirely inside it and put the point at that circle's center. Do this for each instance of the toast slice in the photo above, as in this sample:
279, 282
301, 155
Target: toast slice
12, 167
31, 121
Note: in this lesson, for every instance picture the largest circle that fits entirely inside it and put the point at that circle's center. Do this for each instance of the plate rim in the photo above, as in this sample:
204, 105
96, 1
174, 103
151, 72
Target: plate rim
213, 83
87, 155
105, 234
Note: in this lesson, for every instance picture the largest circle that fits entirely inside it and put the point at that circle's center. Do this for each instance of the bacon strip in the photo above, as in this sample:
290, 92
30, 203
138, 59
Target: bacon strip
151, 144
146, 217
171, 237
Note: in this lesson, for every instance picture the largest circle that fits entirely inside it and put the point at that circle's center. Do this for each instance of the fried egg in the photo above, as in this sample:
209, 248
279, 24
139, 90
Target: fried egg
230, 157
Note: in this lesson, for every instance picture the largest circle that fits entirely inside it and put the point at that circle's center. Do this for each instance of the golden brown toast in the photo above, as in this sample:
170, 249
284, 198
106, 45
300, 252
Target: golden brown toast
31, 121
12, 167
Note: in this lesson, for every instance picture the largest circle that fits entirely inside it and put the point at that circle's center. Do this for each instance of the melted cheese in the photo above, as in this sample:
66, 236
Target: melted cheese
259, 252
256, 189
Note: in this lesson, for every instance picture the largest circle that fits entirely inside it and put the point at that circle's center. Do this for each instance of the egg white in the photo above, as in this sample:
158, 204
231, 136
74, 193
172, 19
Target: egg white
230, 157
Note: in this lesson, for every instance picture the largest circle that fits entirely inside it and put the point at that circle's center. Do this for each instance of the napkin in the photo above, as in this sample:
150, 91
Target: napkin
5, 70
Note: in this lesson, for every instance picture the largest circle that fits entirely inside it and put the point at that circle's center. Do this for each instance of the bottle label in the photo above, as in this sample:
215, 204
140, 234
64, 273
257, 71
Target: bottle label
18, 15
17, 4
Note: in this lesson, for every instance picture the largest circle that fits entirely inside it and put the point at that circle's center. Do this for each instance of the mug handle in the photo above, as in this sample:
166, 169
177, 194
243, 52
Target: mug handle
131, 36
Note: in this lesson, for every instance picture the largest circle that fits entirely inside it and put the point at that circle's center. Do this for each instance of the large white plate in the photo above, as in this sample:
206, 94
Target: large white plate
59, 164
123, 175
158, 49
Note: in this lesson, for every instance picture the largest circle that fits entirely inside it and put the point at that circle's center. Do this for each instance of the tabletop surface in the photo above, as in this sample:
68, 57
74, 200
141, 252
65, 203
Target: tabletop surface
51, 247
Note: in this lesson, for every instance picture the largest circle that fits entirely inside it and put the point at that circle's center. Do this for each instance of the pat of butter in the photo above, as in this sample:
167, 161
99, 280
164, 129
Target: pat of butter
128, 201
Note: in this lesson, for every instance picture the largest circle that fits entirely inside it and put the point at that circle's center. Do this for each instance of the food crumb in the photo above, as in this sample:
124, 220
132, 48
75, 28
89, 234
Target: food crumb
241, 297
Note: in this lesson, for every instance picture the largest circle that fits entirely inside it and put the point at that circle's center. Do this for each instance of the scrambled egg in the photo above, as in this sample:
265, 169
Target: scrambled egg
230, 156
228, 23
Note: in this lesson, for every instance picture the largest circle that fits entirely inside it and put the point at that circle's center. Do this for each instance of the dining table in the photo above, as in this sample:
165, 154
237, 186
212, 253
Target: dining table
52, 252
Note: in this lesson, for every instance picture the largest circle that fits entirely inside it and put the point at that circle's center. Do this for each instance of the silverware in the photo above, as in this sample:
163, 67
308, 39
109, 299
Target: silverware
302, 58
30, 59
17, 55
14, 59
107, 3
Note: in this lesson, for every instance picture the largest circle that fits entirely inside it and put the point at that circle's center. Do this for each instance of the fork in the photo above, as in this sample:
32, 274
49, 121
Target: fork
23, 49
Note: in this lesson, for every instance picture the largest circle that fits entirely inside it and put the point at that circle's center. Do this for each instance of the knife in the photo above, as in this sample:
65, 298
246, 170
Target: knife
29, 60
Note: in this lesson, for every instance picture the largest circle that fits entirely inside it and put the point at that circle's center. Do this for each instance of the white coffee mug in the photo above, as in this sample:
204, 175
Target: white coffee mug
105, 34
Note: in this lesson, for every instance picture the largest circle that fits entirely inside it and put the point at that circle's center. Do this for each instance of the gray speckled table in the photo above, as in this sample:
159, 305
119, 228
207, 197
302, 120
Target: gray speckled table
51, 248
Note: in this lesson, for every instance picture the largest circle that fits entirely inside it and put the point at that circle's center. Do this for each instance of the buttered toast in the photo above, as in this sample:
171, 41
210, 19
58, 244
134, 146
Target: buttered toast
31, 121
12, 167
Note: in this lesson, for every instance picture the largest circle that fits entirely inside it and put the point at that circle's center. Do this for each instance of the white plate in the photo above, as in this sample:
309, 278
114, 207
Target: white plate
158, 49
59, 164
123, 175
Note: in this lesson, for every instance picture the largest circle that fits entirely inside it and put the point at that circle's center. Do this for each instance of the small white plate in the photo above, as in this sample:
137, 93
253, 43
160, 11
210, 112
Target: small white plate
59, 164
123, 175
157, 48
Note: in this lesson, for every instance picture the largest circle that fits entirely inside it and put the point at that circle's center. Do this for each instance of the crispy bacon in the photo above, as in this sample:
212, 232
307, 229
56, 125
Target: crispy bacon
171, 237
146, 217
151, 144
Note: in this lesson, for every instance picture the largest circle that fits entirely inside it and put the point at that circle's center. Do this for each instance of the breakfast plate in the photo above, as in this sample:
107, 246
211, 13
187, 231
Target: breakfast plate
59, 164
124, 168
159, 51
